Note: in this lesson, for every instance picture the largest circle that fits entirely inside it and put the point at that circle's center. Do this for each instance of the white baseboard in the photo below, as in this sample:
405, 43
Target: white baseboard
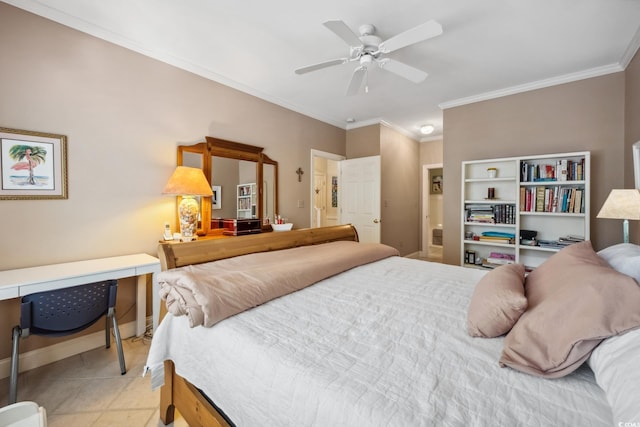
413, 255
45, 355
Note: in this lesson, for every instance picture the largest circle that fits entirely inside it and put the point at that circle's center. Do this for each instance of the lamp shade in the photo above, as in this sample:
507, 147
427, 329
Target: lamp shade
187, 181
621, 204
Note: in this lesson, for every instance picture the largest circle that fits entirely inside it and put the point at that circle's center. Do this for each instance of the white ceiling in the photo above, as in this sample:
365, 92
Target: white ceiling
489, 48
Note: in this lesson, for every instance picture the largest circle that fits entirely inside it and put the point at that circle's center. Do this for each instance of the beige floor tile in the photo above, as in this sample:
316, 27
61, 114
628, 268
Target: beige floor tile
132, 418
136, 394
73, 420
87, 390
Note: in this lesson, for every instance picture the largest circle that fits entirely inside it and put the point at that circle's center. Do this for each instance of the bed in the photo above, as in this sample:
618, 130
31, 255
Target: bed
380, 342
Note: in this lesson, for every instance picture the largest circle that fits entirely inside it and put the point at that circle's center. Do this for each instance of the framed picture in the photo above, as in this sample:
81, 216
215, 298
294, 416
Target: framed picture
334, 191
33, 165
216, 199
436, 184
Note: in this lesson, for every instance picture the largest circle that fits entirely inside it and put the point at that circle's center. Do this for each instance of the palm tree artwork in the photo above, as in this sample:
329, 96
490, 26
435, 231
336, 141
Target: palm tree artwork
27, 157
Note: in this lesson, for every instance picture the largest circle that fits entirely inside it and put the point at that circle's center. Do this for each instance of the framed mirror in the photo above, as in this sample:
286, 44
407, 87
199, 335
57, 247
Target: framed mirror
244, 181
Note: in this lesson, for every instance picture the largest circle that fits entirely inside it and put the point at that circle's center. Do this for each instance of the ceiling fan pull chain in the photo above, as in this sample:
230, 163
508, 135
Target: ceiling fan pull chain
366, 80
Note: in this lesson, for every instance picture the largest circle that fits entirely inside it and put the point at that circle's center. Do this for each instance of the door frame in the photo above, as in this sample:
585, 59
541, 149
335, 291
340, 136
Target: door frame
424, 223
326, 155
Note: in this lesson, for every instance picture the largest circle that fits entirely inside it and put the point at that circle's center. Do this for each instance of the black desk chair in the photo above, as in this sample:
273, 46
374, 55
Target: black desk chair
64, 312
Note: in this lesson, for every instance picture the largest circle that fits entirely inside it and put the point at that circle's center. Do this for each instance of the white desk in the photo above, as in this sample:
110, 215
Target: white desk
23, 281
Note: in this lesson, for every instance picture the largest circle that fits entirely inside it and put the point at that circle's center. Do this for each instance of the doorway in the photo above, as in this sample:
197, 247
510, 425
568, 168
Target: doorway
324, 188
432, 212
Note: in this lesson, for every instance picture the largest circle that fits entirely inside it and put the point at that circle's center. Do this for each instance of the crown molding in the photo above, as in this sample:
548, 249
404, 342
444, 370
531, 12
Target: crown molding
540, 84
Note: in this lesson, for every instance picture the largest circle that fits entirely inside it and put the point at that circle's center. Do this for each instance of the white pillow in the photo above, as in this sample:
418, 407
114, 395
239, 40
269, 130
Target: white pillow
624, 257
616, 365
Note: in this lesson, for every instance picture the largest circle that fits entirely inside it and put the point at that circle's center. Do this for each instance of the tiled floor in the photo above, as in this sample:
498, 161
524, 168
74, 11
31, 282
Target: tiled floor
88, 390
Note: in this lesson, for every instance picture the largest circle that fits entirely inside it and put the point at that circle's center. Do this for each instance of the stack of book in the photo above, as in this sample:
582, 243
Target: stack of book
561, 242
496, 259
501, 258
480, 213
503, 213
497, 237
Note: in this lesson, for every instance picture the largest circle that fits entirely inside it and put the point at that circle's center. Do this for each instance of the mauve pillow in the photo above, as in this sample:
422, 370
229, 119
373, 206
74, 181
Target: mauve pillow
497, 303
575, 301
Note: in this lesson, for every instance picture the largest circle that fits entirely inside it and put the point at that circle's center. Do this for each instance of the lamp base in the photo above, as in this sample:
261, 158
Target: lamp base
188, 214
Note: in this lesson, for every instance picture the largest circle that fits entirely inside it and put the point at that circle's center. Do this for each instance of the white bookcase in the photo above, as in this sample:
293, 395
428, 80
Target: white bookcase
246, 207
529, 194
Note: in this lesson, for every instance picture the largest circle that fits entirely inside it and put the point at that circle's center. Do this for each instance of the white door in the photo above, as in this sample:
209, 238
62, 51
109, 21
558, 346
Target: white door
360, 196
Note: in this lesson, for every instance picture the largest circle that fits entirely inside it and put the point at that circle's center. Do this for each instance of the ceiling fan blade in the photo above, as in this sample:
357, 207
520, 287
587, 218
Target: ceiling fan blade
403, 70
356, 80
344, 32
417, 34
321, 65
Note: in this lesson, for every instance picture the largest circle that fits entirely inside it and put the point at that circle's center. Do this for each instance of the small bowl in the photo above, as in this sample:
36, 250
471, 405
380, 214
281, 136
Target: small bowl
282, 227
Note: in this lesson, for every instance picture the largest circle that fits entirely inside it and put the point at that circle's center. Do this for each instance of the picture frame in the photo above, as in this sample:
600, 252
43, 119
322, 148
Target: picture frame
33, 165
216, 199
334, 191
436, 184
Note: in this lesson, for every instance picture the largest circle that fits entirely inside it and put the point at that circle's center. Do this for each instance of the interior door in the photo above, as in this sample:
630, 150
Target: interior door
360, 196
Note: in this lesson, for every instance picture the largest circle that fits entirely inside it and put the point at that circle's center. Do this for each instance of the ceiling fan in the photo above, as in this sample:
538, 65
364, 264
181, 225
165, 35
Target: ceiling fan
367, 49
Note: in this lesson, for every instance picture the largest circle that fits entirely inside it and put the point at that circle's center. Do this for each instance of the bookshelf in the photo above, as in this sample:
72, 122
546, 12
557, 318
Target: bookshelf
504, 199
246, 195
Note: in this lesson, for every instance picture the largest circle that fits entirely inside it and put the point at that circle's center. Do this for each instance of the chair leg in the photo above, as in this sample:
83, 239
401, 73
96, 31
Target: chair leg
116, 332
13, 381
107, 331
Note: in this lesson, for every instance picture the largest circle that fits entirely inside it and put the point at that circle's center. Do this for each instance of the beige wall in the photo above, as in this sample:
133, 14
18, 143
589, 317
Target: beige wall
632, 130
431, 152
400, 194
363, 142
400, 182
583, 115
123, 114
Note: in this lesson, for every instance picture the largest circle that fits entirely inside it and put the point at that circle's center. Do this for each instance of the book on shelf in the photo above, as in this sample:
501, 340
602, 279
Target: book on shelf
568, 239
540, 199
561, 242
562, 167
500, 258
561, 170
501, 213
552, 199
497, 237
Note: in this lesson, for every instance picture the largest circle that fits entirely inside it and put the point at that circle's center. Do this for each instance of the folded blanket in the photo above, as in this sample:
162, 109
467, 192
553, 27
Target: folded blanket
210, 292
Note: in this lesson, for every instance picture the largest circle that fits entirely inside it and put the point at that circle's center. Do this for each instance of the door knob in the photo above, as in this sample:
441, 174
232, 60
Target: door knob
375, 221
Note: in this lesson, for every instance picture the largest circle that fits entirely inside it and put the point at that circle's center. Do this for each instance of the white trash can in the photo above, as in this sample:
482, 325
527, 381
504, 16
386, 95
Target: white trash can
23, 414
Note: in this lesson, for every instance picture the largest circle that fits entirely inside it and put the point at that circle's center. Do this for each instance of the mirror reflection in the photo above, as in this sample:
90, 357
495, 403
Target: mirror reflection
243, 179
238, 191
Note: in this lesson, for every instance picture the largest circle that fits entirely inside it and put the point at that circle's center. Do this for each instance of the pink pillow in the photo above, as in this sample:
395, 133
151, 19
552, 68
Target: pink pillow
497, 303
575, 301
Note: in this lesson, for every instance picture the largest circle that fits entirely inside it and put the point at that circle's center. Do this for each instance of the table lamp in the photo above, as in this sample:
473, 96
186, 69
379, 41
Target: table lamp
188, 182
622, 204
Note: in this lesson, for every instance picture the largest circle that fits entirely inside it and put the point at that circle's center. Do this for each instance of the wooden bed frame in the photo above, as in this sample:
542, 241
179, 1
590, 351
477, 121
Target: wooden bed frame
177, 393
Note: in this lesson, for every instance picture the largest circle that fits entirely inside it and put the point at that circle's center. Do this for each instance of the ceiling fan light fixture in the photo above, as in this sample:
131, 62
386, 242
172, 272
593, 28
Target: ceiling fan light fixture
367, 48
427, 129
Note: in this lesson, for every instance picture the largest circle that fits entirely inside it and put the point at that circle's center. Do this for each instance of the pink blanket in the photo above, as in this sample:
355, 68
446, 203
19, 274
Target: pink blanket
208, 293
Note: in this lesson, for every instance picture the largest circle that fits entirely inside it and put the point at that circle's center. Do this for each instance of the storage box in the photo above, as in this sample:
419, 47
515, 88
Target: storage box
528, 234
238, 227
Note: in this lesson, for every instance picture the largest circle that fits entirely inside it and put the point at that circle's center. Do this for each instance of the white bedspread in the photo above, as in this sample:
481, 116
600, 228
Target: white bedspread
384, 344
